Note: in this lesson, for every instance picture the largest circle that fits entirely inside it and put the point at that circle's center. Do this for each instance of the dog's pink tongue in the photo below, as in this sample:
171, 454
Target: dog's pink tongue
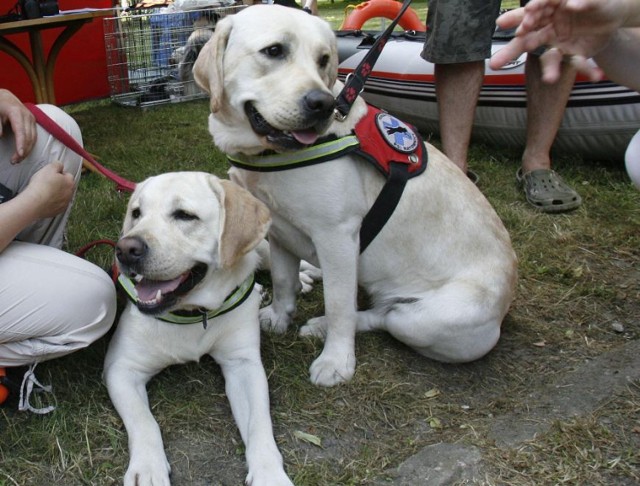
148, 289
305, 137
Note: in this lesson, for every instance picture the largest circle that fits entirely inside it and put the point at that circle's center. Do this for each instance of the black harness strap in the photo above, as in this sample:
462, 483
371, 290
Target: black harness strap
384, 205
391, 193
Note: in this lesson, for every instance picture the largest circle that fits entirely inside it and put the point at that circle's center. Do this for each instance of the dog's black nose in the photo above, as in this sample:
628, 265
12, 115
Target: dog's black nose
131, 250
319, 103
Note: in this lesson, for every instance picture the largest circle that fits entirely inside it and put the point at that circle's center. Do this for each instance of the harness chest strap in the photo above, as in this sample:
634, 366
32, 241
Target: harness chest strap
395, 148
233, 300
329, 148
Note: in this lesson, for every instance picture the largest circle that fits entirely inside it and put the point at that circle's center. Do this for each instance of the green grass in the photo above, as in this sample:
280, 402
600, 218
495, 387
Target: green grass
578, 275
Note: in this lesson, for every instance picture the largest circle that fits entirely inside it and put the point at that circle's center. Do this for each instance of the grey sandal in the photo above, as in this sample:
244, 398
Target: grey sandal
546, 191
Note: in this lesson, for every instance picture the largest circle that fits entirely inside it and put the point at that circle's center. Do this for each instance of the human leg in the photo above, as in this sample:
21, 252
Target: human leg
54, 303
545, 108
457, 89
459, 36
47, 149
546, 104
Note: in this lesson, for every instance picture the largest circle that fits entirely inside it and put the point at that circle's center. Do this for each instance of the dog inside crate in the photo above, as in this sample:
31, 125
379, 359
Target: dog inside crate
178, 41
151, 54
186, 55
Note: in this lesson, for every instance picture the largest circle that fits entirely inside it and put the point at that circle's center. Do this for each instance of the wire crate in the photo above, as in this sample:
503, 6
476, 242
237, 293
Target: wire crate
150, 53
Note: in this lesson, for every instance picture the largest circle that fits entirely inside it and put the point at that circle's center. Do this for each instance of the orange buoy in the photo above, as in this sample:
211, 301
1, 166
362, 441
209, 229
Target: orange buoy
389, 9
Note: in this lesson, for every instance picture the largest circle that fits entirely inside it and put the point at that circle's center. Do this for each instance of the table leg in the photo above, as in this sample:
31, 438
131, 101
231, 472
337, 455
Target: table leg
10, 48
57, 46
38, 63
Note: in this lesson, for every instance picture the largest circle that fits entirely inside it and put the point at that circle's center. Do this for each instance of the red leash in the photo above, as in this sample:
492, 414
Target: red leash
121, 184
54, 129
113, 272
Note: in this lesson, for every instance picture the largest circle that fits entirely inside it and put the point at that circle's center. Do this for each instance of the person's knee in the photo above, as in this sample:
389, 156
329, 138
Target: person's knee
97, 303
105, 294
63, 119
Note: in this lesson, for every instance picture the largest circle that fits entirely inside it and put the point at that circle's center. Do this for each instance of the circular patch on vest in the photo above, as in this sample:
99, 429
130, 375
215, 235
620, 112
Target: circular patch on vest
396, 133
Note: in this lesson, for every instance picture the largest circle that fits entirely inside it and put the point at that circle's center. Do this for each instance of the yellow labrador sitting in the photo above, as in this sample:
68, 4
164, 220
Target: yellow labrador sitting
441, 274
187, 258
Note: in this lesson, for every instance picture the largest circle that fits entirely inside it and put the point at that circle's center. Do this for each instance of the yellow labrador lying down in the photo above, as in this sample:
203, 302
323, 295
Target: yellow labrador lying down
441, 274
187, 249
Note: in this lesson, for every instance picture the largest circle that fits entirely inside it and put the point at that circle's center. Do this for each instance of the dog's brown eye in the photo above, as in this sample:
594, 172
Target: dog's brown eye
135, 214
184, 215
324, 61
276, 50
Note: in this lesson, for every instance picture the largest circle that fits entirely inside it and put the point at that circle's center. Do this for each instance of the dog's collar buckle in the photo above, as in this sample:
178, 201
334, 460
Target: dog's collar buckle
204, 318
338, 115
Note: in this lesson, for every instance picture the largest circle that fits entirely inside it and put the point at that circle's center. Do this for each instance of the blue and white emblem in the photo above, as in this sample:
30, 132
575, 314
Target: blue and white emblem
397, 133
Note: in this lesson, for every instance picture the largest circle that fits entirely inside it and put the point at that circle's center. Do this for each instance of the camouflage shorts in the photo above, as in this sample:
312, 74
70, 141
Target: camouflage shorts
460, 30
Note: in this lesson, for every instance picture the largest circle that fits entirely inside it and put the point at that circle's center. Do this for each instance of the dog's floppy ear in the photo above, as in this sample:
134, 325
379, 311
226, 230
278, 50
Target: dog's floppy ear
208, 68
245, 223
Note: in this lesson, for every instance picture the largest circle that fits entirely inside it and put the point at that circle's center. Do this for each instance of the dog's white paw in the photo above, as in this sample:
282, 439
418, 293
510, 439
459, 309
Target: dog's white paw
316, 327
306, 283
313, 272
331, 369
273, 322
152, 470
308, 275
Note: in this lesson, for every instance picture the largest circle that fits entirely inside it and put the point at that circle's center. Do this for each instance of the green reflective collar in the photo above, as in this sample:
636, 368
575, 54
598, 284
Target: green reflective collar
233, 300
321, 152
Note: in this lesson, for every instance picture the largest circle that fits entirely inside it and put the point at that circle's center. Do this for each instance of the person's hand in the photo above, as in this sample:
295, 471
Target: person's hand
15, 115
570, 19
576, 30
50, 190
578, 54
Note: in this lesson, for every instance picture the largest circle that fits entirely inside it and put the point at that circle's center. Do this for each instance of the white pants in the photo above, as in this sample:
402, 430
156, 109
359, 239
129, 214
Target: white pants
632, 159
51, 302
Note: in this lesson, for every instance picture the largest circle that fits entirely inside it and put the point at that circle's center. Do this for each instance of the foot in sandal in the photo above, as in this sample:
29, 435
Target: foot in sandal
546, 191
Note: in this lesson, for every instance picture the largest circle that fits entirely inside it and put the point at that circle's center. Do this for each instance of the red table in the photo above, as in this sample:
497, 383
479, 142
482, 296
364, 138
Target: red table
40, 67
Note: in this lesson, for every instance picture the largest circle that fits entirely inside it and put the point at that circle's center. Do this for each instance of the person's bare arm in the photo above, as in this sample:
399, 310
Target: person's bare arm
620, 59
48, 193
